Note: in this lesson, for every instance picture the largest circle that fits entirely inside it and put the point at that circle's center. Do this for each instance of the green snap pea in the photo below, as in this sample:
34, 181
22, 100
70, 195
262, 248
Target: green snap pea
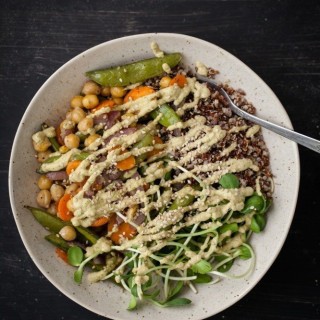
181, 202
169, 116
258, 223
134, 72
52, 159
54, 224
58, 241
229, 181
80, 156
146, 141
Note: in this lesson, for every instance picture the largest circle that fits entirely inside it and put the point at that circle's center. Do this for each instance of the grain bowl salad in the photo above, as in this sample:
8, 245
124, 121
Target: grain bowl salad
152, 182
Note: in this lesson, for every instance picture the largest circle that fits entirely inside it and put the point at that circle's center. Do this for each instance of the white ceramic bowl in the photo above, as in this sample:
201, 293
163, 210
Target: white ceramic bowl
51, 102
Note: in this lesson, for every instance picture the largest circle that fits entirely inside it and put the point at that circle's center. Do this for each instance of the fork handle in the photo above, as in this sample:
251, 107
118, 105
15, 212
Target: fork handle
299, 138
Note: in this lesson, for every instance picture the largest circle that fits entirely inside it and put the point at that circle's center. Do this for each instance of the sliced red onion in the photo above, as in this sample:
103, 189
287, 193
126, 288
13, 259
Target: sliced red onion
108, 120
57, 175
122, 132
139, 218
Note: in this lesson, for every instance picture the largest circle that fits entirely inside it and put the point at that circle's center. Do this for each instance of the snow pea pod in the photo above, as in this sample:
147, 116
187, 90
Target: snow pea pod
169, 116
134, 72
54, 224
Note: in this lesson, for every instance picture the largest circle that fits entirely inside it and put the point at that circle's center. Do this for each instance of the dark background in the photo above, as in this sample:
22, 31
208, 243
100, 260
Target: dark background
279, 40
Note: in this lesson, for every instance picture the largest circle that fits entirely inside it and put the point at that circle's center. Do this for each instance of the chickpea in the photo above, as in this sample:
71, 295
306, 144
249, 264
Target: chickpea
68, 116
90, 101
41, 146
44, 198
67, 124
76, 102
118, 101
52, 209
91, 139
57, 192
70, 205
43, 156
165, 82
105, 91
91, 87
72, 189
68, 233
63, 149
85, 124
77, 115
44, 183
117, 92
72, 141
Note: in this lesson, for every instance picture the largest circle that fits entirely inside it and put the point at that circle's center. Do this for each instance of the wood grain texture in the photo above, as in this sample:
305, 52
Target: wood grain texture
279, 40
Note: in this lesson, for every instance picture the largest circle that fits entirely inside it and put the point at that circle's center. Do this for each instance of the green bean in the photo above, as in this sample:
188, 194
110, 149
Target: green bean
229, 181
54, 143
88, 235
134, 72
146, 141
169, 116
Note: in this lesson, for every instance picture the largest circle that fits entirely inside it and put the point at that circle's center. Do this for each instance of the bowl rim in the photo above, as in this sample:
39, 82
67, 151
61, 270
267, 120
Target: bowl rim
112, 41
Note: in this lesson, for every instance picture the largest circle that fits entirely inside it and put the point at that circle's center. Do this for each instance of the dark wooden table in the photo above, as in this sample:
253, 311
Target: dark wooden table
280, 40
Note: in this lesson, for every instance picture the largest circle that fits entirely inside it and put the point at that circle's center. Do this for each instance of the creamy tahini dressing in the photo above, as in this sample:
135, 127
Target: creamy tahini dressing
209, 203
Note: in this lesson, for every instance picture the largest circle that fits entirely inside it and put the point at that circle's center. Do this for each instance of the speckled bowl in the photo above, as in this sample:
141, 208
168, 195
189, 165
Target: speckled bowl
51, 102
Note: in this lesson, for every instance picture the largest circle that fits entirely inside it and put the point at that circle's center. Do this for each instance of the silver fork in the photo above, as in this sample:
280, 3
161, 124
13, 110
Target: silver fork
299, 138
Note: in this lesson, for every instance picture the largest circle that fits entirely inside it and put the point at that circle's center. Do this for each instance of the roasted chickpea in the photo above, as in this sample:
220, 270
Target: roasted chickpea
90, 101
85, 124
117, 92
76, 102
67, 124
63, 149
165, 82
105, 91
118, 101
44, 198
77, 115
91, 139
44, 183
72, 141
57, 192
52, 209
68, 233
43, 156
68, 116
72, 189
91, 87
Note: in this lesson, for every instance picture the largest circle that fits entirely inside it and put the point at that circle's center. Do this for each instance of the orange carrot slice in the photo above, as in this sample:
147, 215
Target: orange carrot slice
125, 230
138, 92
152, 153
103, 104
62, 210
100, 222
72, 165
179, 79
62, 255
127, 163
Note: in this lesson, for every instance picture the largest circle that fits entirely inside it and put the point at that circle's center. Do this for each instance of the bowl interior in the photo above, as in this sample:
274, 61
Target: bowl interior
51, 103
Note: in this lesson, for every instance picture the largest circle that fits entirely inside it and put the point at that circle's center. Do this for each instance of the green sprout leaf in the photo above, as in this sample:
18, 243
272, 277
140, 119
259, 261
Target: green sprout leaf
75, 256
177, 302
229, 181
133, 303
202, 267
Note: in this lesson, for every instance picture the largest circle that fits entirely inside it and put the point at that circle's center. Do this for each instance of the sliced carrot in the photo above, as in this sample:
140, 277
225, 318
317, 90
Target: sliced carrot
63, 212
127, 163
152, 153
138, 92
179, 79
62, 255
103, 104
100, 222
124, 230
72, 165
